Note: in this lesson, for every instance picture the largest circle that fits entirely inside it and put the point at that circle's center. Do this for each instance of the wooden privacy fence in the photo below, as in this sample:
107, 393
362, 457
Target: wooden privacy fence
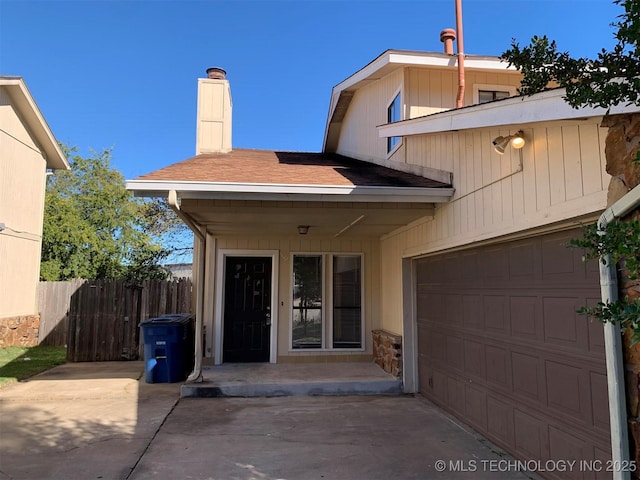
99, 320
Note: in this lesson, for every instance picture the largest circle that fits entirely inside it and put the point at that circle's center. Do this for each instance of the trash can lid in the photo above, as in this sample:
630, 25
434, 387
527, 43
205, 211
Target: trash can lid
171, 319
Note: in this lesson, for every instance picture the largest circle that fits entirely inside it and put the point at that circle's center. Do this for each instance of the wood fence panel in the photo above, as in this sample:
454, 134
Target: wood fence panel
54, 300
99, 320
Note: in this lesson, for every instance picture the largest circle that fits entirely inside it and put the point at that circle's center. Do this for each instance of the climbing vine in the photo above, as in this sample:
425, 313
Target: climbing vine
621, 241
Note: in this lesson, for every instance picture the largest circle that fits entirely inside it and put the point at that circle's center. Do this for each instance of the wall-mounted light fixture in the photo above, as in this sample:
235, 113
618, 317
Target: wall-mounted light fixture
516, 140
303, 229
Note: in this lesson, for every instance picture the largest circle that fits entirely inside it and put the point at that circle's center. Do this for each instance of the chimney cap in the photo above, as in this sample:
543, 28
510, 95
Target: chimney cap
216, 73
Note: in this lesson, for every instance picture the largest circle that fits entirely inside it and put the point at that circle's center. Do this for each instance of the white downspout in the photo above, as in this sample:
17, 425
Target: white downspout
613, 342
172, 199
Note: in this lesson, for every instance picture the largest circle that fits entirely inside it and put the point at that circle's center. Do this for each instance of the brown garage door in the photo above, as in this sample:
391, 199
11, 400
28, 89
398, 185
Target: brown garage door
501, 347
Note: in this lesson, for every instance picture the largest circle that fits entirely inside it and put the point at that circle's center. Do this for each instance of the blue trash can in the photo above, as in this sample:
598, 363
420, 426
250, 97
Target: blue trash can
168, 348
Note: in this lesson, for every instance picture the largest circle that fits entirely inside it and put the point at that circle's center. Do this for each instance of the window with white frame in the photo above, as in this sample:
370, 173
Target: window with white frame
394, 114
327, 302
485, 96
483, 93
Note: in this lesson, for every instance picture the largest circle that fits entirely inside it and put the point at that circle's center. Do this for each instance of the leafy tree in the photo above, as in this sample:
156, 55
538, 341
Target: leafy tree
610, 79
94, 228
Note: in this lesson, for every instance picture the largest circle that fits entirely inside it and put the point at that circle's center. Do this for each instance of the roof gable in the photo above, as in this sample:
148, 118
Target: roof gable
34, 120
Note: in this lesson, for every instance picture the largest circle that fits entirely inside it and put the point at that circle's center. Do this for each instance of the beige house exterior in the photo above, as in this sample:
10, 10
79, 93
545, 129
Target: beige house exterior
439, 254
27, 150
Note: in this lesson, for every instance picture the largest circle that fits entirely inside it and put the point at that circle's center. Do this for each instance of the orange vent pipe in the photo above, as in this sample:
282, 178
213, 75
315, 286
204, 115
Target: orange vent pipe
460, 98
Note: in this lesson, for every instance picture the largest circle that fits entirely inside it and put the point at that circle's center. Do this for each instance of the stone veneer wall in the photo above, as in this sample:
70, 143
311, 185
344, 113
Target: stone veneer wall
387, 351
19, 331
622, 145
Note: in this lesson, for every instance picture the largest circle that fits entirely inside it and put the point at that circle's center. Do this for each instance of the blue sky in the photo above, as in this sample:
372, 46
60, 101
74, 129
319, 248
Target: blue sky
123, 74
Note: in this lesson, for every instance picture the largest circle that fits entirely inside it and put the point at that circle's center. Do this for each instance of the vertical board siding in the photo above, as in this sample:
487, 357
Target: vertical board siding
424, 91
99, 320
368, 109
490, 192
562, 177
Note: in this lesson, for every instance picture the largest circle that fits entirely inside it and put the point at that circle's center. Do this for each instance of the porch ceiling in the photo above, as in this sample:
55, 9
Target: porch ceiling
326, 219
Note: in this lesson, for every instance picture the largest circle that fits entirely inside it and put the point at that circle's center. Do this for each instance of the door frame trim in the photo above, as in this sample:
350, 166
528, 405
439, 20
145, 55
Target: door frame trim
218, 323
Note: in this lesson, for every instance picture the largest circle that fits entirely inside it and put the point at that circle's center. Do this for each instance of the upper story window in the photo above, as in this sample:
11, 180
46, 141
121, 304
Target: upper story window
485, 96
394, 114
488, 93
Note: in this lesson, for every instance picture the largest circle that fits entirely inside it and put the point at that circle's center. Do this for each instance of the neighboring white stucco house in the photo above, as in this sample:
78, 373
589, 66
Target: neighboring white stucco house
27, 150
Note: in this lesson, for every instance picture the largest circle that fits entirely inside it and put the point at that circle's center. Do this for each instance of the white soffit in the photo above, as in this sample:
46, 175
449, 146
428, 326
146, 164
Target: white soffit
253, 191
392, 59
515, 111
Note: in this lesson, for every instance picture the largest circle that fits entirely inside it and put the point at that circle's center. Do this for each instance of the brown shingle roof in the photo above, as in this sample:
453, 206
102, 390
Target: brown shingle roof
286, 168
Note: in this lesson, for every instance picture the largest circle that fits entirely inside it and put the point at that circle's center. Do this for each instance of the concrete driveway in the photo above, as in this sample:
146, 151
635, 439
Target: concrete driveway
100, 421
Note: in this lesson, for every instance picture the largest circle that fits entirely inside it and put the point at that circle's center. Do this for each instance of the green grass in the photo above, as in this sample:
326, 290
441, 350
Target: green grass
18, 363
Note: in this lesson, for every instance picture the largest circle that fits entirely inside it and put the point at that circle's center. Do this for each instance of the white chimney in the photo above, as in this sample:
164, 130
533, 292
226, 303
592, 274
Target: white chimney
213, 129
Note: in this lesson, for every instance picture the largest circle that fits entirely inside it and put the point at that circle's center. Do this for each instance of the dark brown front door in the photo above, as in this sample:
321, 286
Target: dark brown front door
247, 309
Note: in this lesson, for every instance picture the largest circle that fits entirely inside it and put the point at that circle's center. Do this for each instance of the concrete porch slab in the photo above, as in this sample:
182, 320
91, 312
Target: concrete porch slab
299, 379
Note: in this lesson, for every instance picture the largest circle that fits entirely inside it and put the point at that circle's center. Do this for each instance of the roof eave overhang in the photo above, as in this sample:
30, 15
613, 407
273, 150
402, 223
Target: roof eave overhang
35, 121
514, 112
280, 192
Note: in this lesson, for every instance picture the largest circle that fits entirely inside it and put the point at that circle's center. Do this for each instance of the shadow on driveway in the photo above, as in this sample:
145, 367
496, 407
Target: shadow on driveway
80, 421
102, 421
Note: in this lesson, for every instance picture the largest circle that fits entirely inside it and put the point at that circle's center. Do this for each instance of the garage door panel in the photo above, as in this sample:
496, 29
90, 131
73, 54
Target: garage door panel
498, 369
562, 325
495, 308
561, 264
450, 275
455, 394
603, 457
469, 265
527, 374
440, 348
429, 304
474, 359
599, 401
522, 263
524, 313
475, 406
566, 389
500, 420
439, 384
455, 353
565, 446
493, 266
453, 308
508, 344
472, 311
529, 435
559, 261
